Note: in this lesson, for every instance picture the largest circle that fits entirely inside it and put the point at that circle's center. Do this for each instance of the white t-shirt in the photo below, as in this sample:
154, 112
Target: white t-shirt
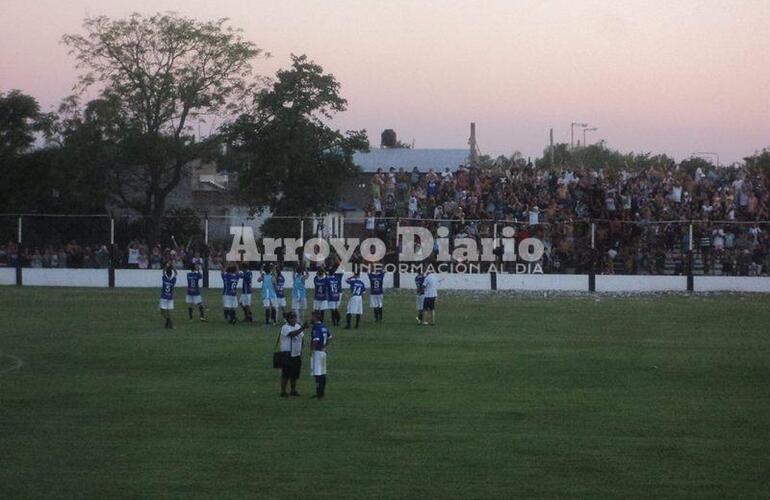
293, 344
430, 285
676, 194
534, 216
133, 255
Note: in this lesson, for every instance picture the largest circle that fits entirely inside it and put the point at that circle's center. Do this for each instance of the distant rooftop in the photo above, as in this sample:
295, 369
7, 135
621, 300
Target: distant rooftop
424, 159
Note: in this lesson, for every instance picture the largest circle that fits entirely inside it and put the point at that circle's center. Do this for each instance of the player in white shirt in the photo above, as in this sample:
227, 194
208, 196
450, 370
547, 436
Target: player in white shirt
291, 342
430, 293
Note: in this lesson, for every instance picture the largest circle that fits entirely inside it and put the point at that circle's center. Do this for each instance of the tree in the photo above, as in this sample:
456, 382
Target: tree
25, 172
759, 162
692, 164
156, 74
20, 119
287, 157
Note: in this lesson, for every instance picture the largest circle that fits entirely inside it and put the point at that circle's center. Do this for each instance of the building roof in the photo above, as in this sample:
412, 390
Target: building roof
424, 159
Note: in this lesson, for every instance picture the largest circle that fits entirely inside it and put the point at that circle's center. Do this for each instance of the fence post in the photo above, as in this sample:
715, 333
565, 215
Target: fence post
397, 273
111, 271
19, 280
690, 279
302, 230
206, 251
592, 269
493, 274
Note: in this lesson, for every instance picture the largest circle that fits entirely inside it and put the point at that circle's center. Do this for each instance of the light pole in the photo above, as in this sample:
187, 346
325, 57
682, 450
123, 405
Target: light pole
572, 132
592, 129
706, 153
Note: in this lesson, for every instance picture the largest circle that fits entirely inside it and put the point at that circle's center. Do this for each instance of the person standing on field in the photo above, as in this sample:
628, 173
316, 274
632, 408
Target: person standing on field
193, 297
167, 294
355, 303
419, 279
298, 292
291, 342
430, 294
320, 339
230, 293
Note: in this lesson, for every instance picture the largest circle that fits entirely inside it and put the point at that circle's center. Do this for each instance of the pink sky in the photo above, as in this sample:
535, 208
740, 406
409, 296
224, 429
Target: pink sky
663, 76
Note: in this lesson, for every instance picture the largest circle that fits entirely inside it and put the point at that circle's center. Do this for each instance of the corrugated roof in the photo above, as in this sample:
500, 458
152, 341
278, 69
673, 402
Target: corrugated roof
424, 159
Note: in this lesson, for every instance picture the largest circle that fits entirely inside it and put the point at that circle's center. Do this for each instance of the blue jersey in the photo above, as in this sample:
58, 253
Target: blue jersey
246, 285
376, 282
335, 286
280, 283
357, 287
432, 187
268, 289
418, 280
321, 288
167, 289
230, 284
193, 283
321, 335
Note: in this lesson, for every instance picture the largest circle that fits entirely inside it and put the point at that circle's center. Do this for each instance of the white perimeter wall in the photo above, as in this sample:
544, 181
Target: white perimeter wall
65, 277
542, 282
731, 283
145, 278
7, 275
617, 283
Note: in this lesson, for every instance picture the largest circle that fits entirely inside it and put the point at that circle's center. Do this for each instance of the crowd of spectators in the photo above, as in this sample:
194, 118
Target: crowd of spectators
641, 217
136, 255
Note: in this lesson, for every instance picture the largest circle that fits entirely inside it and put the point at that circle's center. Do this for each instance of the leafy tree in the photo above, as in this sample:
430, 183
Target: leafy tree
288, 158
25, 172
690, 165
759, 162
156, 74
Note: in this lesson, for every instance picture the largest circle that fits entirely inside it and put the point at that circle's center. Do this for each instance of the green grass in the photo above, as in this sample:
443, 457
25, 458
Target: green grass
508, 396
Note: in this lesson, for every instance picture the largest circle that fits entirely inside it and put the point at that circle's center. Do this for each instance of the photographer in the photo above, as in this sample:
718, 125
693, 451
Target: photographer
291, 344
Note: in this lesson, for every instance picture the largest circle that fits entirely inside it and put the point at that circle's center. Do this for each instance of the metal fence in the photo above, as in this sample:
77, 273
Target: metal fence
733, 248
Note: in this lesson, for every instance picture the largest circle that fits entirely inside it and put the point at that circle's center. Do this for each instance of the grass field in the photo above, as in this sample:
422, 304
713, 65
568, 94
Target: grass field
507, 396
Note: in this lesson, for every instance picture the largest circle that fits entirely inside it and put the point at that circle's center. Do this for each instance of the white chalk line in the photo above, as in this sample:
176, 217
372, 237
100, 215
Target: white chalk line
17, 363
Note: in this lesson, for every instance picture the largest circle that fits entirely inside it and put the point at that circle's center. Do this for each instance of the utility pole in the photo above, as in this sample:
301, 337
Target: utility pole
551, 149
572, 133
474, 148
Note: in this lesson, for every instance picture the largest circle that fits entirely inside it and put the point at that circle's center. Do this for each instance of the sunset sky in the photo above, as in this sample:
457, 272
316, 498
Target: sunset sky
665, 76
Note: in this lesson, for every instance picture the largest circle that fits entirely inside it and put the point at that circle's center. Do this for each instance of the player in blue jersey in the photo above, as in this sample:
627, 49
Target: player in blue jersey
376, 285
245, 300
320, 292
230, 293
298, 292
269, 297
193, 297
418, 281
334, 294
280, 291
167, 294
356, 301
319, 343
